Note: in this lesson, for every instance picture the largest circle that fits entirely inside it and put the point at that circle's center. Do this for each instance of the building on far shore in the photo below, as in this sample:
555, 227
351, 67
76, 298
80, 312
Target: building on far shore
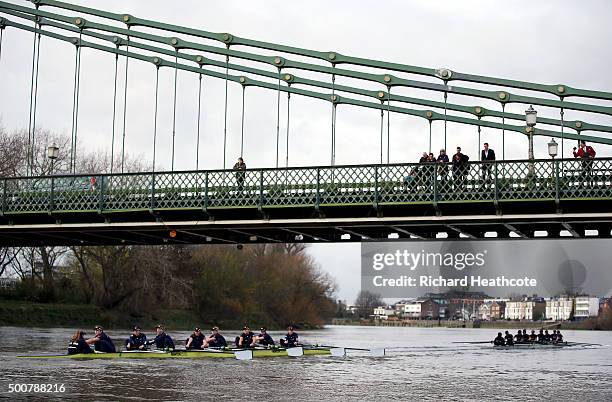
492, 310
559, 308
383, 312
419, 309
527, 309
585, 307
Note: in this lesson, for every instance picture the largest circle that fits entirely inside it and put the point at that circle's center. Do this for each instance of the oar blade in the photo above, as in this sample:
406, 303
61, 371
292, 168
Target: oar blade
243, 354
379, 352
295, 352
338, 352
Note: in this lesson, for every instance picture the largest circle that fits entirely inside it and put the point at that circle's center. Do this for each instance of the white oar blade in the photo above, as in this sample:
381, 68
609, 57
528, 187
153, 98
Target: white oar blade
377, 352
338, 352
295, 352
244, 354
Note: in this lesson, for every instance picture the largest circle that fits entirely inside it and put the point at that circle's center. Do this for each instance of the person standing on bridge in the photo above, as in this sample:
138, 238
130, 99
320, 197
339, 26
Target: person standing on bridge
460, 168
487, 155
443, 166
240, 167
586, 154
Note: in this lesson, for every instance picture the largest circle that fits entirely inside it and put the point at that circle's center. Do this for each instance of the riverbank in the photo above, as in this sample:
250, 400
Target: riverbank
589, 324
25, 314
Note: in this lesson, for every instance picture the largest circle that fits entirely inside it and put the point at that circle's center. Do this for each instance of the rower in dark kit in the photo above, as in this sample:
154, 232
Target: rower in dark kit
78, 344
136, 341
559, 337
101, 341
518, 338
547, 337
264, 338
197, 340
246, 338
162, 340
291, 339
499, 340
215, 339
525, 336
509, 339
541, 336
533, 337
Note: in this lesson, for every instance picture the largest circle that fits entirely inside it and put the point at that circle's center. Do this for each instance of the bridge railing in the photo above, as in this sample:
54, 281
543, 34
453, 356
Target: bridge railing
498, 181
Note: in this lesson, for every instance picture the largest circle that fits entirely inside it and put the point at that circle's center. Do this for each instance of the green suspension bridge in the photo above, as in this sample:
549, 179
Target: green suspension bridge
330, 203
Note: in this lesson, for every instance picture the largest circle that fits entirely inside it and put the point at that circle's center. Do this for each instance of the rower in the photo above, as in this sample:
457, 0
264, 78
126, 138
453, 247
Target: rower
78, 344
525, 336
136, 341
246, 338
215, 339
499, 340
553, 337
264, 338
547, 337
509, 339
533, 337
101, 342
541, 336
196, 340
162, 340
559, 337
518, 338
291, 339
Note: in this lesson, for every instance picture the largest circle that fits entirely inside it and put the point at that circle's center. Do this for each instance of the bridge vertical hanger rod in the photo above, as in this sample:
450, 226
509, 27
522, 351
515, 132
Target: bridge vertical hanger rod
225, 110
388, 121
125, 91
242, 124
287, 141
198, 126
29, 147
112, 161
503, 131
33, 153
445, 109
278, 114
430, 135
478, 145
382, 119
155, 115
174, 107
75, 105
562, 129
333, 118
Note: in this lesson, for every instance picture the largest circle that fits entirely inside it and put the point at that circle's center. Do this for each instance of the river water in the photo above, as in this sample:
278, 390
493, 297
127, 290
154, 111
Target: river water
422, 363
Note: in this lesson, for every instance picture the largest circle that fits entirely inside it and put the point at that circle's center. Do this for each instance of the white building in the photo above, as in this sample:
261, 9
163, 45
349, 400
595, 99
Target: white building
383, 312
525, 310
484, 311
585, 307
559, 308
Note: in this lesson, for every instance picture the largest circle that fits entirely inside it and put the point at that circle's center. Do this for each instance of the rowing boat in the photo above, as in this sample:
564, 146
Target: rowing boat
535, 345
188, 354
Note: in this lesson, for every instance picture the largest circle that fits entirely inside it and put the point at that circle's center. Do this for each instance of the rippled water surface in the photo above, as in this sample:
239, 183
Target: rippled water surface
420, 364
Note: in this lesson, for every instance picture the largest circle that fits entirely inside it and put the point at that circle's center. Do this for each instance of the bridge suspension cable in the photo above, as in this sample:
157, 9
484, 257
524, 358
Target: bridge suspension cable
125, 99
112, 158
75, 104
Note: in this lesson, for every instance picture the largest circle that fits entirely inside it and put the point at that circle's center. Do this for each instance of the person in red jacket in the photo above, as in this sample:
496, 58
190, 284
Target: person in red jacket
586, 154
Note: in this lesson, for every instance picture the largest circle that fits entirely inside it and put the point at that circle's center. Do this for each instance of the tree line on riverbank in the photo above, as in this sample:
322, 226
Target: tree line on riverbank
271, 285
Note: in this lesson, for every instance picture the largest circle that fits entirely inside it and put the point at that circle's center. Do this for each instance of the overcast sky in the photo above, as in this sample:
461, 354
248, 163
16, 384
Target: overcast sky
548, 42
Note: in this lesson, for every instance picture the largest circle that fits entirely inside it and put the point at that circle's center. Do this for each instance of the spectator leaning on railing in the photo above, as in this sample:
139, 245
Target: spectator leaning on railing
586, 153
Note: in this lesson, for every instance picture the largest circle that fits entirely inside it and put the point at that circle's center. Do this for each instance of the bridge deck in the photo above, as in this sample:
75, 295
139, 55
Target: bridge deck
314, 203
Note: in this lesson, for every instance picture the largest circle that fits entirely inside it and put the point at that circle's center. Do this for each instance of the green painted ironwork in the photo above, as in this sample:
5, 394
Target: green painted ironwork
280, 62
330, 56
312, 187
429, 115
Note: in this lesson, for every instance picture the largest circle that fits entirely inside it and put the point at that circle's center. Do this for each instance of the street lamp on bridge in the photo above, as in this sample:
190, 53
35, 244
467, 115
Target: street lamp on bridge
52, 153
531, 116
553, 148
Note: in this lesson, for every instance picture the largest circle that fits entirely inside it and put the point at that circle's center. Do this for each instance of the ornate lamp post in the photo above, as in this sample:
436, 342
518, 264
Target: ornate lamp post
52, 153
531, 116
553, 148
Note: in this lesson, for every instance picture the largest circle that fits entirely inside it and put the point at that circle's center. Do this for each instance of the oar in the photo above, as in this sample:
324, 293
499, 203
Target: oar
475, 342
340, 351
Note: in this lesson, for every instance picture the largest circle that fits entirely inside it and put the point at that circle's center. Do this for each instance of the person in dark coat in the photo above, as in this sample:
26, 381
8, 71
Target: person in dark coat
487, 155
460, 168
